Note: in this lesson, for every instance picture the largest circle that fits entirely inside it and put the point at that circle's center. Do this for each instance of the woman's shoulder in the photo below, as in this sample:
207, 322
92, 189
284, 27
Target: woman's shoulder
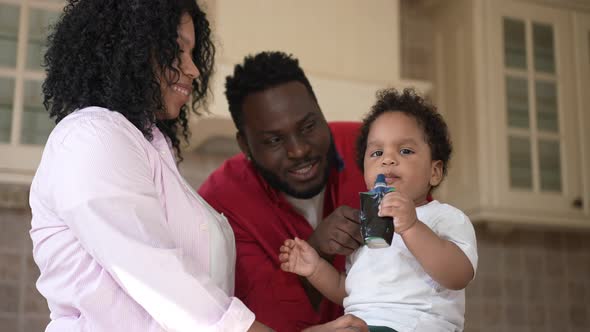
96, 122
96, 115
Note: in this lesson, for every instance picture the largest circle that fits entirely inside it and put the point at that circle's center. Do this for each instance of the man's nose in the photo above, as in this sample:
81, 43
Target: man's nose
297, 148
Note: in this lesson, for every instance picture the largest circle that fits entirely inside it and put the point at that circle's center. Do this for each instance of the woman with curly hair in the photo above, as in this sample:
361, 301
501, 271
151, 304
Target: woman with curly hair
122, 242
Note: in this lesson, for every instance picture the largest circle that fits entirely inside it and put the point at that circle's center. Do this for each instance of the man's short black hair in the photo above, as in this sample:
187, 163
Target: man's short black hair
258, 73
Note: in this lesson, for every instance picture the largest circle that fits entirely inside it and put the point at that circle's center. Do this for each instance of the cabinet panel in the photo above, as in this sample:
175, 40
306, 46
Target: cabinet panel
520, 160
524, 126
39, 19
24, 122
543, 48
582, 42
6, 105
546, 102
537, 160
8, 34
35, 124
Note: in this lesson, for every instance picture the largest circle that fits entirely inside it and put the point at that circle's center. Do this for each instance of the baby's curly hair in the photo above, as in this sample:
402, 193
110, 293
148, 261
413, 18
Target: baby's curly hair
108, 53
436, 132
258, 73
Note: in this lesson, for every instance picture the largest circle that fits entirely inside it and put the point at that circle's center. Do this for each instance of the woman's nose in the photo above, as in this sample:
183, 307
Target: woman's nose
189, 68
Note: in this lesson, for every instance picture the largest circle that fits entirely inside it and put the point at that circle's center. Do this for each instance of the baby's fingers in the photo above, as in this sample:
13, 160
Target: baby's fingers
391, 198
286, 267
385, 211
289, 243
283, 257
301, 243
284, 248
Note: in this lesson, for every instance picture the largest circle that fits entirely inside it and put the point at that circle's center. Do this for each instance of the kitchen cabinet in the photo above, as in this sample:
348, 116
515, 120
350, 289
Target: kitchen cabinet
24, 123
513, 82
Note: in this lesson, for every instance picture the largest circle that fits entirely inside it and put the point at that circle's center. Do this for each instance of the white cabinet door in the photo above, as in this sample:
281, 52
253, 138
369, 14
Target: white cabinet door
24, 122
536, 147
582, 42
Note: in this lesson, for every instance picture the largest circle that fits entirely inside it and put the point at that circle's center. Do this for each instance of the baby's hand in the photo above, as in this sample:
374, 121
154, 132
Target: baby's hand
298, 257
401, 208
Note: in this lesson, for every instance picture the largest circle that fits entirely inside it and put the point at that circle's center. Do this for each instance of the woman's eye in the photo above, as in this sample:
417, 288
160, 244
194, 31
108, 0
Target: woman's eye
377, 154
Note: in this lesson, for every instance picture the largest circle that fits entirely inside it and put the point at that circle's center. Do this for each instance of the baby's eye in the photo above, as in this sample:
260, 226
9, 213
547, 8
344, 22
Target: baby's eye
404, 152
376, 154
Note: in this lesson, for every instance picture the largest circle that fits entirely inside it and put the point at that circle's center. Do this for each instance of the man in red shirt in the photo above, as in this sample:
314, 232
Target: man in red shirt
297, 177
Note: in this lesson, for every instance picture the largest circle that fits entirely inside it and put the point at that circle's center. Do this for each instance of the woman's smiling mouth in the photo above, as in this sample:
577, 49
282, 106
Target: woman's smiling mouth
182, 89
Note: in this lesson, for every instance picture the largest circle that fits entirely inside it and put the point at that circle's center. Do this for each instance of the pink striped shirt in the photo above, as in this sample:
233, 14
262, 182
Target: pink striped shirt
122, 241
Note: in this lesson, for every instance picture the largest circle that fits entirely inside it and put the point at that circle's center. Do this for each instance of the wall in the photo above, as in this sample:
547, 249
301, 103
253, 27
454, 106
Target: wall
348, 49
530, 280
344, 39
22, 309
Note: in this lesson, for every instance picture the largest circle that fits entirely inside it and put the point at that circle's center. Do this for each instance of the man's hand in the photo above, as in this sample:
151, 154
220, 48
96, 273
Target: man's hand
338, 234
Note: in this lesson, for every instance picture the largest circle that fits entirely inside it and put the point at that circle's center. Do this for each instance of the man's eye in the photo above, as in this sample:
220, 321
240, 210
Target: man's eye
272, 140
405, 151
308, 127
377, 154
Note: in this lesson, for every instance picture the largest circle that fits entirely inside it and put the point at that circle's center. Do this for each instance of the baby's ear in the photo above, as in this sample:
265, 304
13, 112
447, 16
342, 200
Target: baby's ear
436, 174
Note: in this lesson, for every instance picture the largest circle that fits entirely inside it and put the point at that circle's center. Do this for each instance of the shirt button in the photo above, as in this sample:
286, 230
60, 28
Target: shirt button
204, 227
163, 152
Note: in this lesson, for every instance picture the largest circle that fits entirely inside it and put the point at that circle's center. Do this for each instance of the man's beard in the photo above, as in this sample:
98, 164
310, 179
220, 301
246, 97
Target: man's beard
275, 181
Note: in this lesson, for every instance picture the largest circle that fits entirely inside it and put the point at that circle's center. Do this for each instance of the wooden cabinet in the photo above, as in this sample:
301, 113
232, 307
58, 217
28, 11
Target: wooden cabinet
512, 81
24, 122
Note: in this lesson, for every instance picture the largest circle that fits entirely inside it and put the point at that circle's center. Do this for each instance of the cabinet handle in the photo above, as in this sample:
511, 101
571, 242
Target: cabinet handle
578, 203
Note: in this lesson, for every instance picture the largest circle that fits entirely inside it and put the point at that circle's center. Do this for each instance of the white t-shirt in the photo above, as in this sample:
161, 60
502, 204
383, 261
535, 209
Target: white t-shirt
389, 287
311, 209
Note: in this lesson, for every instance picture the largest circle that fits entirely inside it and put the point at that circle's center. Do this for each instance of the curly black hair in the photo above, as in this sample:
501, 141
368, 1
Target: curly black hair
260, 72
436, 132
108, 53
